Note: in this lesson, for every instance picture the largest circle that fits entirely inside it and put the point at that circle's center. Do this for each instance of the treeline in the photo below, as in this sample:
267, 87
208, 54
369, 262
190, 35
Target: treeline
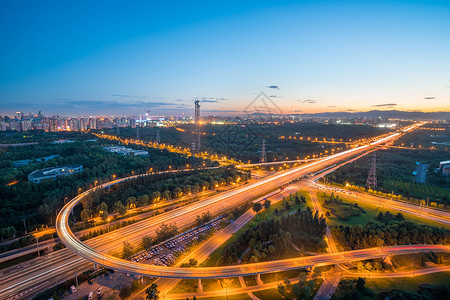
271, 238
146, 190
38, 203
388, 230
349, 289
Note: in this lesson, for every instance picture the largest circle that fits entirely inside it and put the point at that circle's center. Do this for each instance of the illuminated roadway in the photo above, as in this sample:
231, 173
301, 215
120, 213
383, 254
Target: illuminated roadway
243, 193
63, 264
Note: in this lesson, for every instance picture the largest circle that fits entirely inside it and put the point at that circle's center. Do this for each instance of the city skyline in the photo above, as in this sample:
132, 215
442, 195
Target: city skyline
309, 57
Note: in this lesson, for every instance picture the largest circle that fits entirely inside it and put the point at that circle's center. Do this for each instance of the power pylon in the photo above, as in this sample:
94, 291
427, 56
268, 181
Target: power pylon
117, 130
157, 136
263, 157
199, 142
138, 136
193, 154
372, 178
197, 111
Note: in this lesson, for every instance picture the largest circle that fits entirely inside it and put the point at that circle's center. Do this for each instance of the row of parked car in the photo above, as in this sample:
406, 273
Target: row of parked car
148, 254
172, 243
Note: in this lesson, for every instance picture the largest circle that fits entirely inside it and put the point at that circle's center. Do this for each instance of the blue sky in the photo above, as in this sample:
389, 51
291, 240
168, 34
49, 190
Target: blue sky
128, 57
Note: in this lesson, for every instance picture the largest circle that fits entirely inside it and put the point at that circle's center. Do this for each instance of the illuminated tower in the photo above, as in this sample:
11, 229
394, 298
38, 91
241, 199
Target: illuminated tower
197, 111
263, 157
372, 178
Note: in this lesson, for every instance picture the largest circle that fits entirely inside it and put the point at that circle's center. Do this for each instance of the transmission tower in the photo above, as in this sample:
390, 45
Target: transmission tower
372, 178
199, 142
197, 111
138, 136
193, 154
263, 157
117, 130
157, 136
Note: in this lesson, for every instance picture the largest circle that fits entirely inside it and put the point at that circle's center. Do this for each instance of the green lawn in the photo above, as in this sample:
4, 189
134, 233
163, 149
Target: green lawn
230, 297
220, 284
372, 212
267, 294
214, 257
185, 286
406, 283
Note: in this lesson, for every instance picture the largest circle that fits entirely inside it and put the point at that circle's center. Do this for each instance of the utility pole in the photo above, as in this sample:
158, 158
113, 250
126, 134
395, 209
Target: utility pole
372, 178
197, 111
24, 226
76, 279
263, 157
157, 136
193, 154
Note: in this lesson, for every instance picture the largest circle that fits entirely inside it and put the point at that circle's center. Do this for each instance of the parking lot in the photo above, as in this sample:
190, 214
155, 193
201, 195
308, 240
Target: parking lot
165, 253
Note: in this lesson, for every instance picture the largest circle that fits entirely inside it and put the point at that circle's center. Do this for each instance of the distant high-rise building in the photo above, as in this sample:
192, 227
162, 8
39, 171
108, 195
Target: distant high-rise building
92, 123
197, 111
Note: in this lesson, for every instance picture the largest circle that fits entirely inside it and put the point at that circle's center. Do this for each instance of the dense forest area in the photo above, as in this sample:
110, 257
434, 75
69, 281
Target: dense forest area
388, 230
394, 173
242, 141
160, 187
428, 135
271, 238
38, 203
349, 289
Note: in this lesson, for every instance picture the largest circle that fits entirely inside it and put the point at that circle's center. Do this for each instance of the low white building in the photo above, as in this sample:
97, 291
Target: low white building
125, 151
53, 173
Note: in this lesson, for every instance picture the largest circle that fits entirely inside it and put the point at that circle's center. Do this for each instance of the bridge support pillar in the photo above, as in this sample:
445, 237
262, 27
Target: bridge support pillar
258, 279
142, 279
199, 286
95, 267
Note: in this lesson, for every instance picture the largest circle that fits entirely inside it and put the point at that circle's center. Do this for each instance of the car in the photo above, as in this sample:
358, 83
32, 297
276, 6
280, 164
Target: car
91, 294
73, 289
99, 291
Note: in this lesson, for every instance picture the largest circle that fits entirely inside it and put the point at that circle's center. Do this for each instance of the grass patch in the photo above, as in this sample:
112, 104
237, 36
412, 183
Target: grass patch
272, 277
269, 294
230, 297
185, 286
372, 212
220, 284
406, 283
250, 280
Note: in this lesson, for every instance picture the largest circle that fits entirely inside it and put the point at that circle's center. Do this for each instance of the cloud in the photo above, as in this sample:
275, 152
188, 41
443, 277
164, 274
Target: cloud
331, 106
384, 105
297, 111
350, 109
115, 104
131, 96
210, 99
307, 101
274, 96
429, 98
275, 87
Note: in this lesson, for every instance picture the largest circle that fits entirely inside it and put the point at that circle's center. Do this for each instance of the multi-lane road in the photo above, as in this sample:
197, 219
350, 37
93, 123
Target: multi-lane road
241, 194
63, 264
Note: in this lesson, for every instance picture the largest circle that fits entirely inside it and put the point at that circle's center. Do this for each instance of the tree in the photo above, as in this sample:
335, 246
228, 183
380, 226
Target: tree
147, 242
267, 204
257, 207
120, 208
131, 202
143, 200
152, 292
103, 211
127, 250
